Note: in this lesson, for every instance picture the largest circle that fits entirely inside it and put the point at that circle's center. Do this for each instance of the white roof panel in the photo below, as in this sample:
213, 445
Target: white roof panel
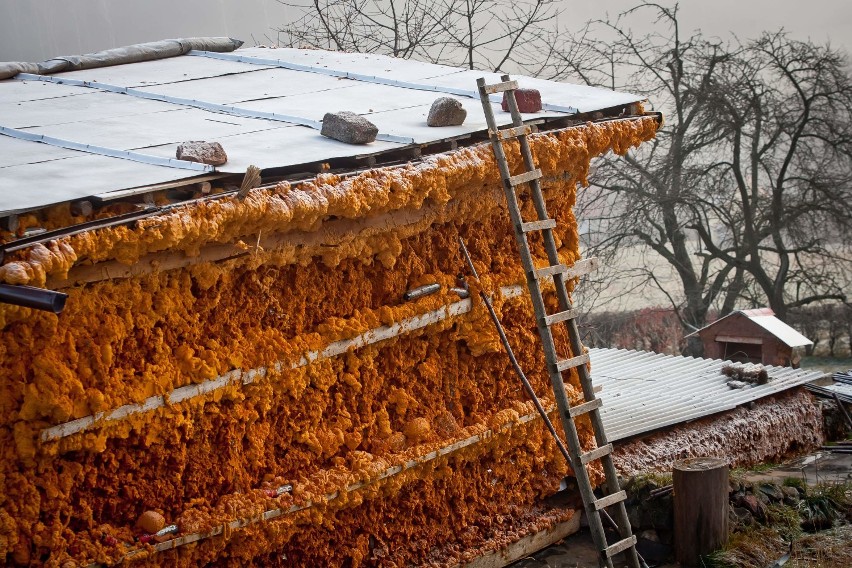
272, 148
411, 122
178, 125
781, 330
75, 178
161, 71
20, 91
581, 97
130, 122
90, 106
360, 98
358, 63
260, 84
14, 152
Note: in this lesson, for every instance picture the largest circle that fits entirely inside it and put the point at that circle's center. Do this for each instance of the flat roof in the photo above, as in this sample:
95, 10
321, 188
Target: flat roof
92, 133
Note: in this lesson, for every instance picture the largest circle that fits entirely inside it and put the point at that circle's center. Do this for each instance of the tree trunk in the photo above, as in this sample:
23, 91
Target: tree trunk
700, 508
694, 347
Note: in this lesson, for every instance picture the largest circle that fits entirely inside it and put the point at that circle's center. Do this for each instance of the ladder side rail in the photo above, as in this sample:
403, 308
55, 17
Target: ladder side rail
559, 279
505, 174
529, 162
557, 382
610, 472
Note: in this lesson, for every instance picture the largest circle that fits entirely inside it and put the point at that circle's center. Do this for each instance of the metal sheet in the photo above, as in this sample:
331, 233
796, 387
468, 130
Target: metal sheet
162, 71
583, 98
122, 122
360, 98
361, 63
280, 147
156, 128
645, 391
89, 106
15, 152
412, 121
781, 330
12, 92
74, 178
261, 84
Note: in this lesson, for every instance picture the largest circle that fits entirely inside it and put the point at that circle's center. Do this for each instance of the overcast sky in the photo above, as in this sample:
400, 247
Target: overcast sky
33, 30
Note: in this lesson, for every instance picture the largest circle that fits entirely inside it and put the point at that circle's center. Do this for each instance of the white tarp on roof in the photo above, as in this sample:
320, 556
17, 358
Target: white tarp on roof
34, 174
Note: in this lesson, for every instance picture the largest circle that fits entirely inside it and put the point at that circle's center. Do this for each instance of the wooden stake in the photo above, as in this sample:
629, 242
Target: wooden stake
700, 508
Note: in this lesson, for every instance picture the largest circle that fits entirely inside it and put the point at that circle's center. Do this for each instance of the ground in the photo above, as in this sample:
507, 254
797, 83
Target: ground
758, 545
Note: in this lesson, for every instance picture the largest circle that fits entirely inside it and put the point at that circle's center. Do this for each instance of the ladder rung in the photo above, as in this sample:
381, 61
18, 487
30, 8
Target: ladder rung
513, 132
500, 87
597, 453
559, 317
550, 270
620, 546
605, 502
525, 177
581, 409
538, 225
566, 364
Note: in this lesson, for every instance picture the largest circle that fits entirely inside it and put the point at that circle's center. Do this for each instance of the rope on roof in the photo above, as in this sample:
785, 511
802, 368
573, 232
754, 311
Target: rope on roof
120, 55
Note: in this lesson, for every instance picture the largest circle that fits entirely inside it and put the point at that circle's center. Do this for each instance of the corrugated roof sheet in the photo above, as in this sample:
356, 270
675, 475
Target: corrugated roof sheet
644, 391
395, 94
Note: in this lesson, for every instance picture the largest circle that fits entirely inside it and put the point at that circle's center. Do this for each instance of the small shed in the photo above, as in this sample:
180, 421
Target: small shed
752, 336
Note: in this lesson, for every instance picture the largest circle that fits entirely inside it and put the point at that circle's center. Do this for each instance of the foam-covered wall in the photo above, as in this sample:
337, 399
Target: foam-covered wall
230, 296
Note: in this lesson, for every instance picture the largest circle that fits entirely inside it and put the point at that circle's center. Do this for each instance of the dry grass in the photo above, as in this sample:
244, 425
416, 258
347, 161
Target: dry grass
829, 549
761, 546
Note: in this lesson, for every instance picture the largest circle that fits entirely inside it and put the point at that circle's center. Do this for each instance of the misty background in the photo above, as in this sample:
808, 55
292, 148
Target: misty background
34, 30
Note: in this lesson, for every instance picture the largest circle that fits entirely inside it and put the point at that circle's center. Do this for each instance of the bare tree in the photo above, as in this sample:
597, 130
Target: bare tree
780, 196
494, 34
745, 193
401, 29
643, 200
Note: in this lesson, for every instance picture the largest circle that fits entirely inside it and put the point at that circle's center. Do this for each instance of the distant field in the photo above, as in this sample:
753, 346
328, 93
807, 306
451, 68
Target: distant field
827, 364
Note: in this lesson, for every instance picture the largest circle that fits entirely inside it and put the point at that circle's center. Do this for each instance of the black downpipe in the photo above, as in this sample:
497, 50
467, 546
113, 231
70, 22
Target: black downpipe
31, 297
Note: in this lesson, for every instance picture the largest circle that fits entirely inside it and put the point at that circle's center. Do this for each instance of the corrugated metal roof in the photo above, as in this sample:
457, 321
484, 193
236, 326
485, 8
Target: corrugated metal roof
765, 318
644, 391
395, 94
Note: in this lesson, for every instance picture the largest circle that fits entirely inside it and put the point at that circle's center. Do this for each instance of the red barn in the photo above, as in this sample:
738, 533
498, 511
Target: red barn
752, 336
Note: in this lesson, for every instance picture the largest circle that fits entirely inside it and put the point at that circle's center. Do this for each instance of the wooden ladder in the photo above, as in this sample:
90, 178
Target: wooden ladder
555, 365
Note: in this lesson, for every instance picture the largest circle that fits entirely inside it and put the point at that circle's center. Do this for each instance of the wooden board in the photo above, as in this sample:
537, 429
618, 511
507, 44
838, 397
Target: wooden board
525, 546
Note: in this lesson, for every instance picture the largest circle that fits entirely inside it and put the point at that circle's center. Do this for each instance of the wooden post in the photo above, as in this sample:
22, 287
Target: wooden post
700, 508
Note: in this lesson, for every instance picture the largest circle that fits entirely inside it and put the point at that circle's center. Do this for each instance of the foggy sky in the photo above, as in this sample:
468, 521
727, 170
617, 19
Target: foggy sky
34, 30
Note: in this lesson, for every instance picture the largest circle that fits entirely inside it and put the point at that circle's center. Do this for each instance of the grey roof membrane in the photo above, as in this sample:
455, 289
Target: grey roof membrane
644, 391
297, 83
